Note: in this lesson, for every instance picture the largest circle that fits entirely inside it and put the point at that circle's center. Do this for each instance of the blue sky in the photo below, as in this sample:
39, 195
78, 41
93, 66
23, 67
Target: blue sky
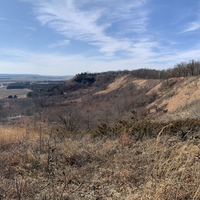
66, 37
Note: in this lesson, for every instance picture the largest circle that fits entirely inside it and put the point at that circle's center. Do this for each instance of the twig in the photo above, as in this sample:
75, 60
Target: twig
17, 187
65, 184
157, 141
78, 187
103, 191
196, 193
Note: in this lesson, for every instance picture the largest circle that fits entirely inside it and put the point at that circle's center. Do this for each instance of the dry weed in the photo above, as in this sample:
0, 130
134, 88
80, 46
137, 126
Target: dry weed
83, 167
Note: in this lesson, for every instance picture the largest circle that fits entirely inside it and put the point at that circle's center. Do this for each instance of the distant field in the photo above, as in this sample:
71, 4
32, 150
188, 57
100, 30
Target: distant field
21, 93
36, 78
6, 79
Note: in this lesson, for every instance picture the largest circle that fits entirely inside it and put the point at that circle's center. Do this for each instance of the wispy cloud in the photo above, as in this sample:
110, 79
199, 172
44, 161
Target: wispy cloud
84, 20
59, 43
31, 63
193, 26
12, 20
28, 62
31, 28
115, 34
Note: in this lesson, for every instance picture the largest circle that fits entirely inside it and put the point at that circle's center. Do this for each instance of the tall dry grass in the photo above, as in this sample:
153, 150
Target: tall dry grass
53, 166
9, 134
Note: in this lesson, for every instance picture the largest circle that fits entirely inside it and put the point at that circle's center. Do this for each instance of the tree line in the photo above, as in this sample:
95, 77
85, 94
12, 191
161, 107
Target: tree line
182, 69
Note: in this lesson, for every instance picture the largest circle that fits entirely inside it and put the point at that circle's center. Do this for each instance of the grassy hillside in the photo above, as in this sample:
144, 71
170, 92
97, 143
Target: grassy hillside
129, 138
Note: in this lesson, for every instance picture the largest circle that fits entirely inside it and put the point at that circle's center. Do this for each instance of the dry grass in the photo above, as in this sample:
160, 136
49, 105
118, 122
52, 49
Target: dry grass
131, 160
52, 166
184, 91
119, 82
10, 134
17, 131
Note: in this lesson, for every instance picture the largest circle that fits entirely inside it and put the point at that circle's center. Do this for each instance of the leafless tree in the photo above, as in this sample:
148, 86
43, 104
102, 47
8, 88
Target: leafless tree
191, 67
178, 70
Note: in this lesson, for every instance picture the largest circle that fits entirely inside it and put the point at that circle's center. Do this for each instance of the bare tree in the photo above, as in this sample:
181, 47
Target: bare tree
197, 67
178, 70
69, 118
184, 68
191, 67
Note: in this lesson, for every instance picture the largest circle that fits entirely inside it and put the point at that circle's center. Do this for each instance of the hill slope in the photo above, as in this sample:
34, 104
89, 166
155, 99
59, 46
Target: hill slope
100, 145
175, 97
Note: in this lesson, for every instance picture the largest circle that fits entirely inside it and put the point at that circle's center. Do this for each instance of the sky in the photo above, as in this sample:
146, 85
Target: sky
67, 37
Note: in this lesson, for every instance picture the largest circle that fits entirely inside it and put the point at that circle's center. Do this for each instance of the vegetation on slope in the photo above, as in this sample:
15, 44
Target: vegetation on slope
103, 136
37, 162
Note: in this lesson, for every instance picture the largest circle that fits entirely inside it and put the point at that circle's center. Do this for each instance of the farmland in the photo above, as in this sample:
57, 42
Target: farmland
20, 93
5, 80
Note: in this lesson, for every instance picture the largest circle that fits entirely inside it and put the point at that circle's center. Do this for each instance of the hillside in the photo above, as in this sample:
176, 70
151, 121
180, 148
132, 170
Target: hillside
113, 96
172, 98
121, 137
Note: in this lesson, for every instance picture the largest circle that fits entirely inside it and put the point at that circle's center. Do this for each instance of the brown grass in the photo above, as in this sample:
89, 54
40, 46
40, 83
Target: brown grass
119, 82
18, 131
9, 134
184, 92
53, 166
129, 160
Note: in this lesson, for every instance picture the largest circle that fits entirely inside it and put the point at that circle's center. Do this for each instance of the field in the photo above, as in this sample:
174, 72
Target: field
31, 78
21, 93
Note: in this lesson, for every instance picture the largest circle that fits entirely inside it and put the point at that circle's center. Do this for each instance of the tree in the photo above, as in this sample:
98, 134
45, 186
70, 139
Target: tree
178, 70
184, 68
69, 118
30, 94
191, 67
197, 67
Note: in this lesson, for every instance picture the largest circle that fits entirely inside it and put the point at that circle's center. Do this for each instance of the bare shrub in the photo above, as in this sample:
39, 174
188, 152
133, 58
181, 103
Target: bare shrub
142, 113
43, 165
69, 118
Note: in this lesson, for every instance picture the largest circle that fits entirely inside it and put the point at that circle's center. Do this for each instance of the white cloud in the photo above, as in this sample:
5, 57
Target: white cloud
59, 43
88, 21
20, 61
31, 28
115, 27
193, 26
12, 20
